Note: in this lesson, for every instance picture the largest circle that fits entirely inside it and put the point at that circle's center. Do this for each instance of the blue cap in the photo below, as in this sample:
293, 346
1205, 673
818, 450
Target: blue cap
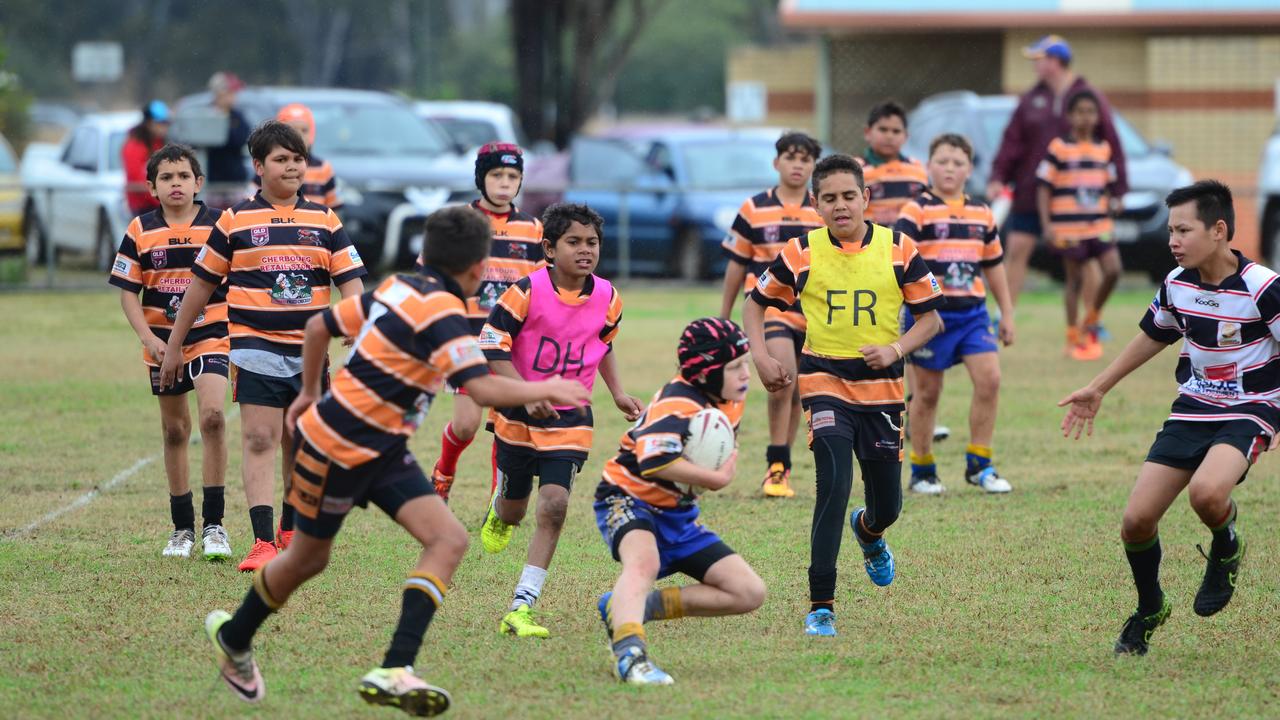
1048, 46
158, 111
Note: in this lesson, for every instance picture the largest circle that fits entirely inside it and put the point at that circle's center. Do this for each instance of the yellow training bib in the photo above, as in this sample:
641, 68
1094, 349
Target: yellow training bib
850, 299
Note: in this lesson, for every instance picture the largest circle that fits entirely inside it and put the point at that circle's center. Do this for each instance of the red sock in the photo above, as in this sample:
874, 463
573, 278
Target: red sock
450, 450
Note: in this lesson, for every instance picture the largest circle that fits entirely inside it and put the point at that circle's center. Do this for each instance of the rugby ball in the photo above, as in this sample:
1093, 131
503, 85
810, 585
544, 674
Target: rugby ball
709, 443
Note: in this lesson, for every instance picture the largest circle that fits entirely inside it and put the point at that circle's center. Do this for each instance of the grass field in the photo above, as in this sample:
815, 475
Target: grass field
1003, 606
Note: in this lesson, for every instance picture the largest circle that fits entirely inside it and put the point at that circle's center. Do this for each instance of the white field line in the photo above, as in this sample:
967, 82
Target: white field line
118, 479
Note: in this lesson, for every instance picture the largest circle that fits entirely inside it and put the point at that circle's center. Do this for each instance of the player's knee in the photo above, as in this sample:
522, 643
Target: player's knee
311, 564
1137, 526
511, 512
453, 542
751, 594
552, 511
1205, 498
260, 441
987, 383
466, 430
644, 567
213, 422
176, 432
928, 393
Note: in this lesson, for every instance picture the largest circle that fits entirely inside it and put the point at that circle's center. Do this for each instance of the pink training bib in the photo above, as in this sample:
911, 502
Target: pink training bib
559, 338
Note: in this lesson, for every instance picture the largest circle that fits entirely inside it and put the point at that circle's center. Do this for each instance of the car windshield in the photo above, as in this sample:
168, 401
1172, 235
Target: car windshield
115, 144
468, 132
373, 129
730, 163
994, 121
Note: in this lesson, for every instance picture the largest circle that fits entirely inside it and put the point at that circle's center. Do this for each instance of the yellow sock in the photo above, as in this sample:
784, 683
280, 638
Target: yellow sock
925, 459
626, 630
979, 450
260, 587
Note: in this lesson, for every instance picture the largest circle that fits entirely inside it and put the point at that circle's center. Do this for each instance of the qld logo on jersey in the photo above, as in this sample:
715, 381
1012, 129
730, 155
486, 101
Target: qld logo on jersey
259, 236
159, 259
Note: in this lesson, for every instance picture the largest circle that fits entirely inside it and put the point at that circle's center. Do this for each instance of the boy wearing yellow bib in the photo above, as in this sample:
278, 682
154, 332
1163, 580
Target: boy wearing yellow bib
852, 278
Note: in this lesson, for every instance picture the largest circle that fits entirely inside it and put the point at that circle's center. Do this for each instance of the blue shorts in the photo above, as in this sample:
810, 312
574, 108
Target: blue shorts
966, 332
684, 544
1024, 222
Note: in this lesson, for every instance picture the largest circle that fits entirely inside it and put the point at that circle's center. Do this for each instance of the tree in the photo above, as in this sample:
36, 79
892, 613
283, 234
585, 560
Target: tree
571, 51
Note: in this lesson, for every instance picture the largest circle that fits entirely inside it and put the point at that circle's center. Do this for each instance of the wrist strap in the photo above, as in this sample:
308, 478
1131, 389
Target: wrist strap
898, 349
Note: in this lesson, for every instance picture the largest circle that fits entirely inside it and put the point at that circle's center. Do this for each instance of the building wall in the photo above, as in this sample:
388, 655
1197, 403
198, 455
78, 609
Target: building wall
790, 76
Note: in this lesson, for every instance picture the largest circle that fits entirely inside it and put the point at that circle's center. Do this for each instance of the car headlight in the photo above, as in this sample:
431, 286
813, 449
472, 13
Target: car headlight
724, 217
347, 194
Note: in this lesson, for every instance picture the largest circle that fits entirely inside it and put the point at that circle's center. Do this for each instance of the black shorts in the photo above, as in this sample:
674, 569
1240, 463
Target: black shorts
518, 465
1024, 222
212, 364
775, 329
1183, 444
875, 435
323, 492
251, 388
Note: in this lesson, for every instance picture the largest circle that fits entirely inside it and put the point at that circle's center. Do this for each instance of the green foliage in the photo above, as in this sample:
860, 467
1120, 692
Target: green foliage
14, 100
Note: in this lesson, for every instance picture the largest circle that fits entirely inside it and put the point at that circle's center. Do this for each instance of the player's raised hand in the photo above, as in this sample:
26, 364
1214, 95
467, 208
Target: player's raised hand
878, 357
1084, 405
299, 406
169, 367
630, 406
772, 374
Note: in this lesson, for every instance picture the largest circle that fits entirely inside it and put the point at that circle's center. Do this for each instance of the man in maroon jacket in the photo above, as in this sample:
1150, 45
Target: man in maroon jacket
1040, 117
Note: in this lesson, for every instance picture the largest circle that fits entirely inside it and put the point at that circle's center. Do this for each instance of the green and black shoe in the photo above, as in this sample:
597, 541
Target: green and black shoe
1138, 629
1219, 584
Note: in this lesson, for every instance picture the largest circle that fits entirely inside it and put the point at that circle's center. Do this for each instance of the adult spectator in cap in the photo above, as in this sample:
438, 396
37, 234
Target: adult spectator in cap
143, 139
225, 164
1038, 119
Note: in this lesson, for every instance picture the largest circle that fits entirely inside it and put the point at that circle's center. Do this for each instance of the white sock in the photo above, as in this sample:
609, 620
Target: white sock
529, 587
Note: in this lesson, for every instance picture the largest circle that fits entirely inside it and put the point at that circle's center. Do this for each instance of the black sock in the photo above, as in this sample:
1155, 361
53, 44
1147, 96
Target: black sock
286, 517
183, 512
1144, 560
1225, 543
237, 633
778, 454
261, 516
212, 505
417, 608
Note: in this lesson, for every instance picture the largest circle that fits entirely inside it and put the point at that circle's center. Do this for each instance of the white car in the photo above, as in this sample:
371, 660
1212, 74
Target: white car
472, 123
74, 191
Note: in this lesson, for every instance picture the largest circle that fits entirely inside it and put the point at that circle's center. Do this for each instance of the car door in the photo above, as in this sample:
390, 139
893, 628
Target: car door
603, 174
73, 213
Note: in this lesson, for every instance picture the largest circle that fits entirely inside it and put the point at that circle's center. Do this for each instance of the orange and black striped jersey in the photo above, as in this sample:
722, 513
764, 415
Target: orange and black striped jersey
657, 440
411, 335
957, 238
278, 262
849, 379
319, 185
516, 252
892, 183
1080, 176
155, 259
508, 316
762, 227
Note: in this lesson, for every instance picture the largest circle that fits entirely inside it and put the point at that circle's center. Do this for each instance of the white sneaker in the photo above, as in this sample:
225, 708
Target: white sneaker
926, 485
400, 687
988, 479
941, 432
180, 543
216, 544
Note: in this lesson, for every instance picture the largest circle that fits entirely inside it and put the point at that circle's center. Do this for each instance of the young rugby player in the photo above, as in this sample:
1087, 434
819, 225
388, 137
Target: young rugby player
651, 525
764, 223
517, 251
957, 237
155, 259
411, 334
319, 185
1226, 309
852, 278
560, 320
1075, 197
278, 253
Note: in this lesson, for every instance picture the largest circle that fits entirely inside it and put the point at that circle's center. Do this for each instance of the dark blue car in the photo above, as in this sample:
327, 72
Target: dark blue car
670, 193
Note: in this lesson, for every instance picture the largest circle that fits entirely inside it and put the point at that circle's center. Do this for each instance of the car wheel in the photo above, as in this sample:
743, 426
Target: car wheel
686, 261
105, 247
35, 240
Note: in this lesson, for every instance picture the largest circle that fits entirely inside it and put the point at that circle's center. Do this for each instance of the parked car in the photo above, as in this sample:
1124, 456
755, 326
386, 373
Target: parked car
1269, 199
393, 169
10, 201
74, 191
681, 187
472, 123
1142, 228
